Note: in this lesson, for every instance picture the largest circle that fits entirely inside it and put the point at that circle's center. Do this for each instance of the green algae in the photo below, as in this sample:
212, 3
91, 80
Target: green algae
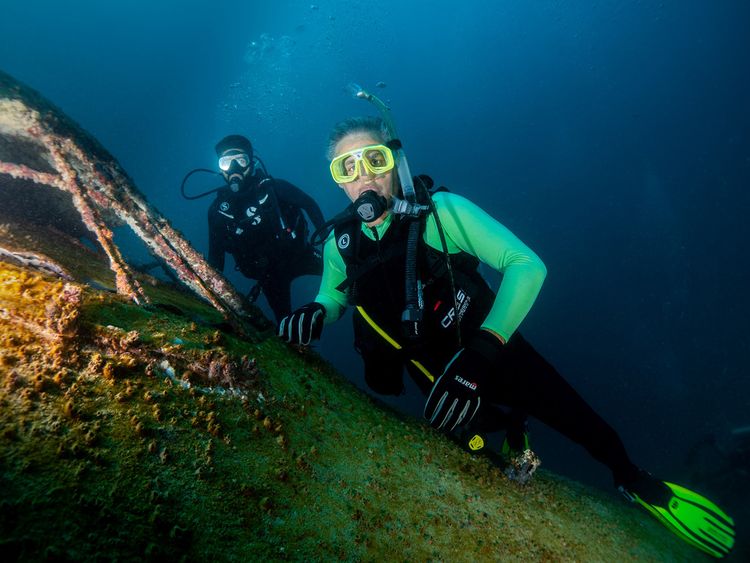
127, 462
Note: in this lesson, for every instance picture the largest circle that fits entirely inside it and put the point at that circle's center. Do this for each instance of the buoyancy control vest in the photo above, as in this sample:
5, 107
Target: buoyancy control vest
254, 219
375, 272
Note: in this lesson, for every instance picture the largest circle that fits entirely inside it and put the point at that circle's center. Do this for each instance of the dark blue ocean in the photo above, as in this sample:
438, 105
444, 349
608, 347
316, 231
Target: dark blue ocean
612, 137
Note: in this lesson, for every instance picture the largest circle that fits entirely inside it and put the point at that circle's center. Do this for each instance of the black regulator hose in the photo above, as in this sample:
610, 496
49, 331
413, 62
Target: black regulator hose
411, 317
366, 208
258, 163
321, 233
204, 194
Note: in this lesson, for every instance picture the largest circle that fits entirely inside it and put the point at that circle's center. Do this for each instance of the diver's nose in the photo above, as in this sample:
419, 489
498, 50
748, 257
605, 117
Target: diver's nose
364, 172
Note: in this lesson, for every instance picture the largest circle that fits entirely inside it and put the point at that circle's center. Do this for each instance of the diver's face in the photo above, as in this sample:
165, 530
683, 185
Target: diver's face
235, 165
382, 184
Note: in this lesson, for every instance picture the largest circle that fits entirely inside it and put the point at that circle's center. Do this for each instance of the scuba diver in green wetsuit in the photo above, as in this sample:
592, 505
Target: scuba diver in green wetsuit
409, 266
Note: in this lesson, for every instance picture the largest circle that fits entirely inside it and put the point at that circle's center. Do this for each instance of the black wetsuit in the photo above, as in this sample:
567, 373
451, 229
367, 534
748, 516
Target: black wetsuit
263, 228
525, 381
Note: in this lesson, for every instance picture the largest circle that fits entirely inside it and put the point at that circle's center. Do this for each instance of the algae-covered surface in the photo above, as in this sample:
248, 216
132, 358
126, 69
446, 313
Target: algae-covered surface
134, 433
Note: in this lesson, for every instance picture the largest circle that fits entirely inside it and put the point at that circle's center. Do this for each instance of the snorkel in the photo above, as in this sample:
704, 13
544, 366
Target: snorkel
407, 206
411, 318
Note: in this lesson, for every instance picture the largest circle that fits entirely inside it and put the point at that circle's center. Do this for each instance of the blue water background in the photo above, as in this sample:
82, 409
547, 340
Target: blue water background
612, 137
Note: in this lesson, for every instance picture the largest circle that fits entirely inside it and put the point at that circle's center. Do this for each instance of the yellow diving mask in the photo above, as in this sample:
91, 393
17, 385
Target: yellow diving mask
376, 159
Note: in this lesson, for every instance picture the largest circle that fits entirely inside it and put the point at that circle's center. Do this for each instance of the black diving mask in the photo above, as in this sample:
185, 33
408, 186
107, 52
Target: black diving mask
235, 168
230, 161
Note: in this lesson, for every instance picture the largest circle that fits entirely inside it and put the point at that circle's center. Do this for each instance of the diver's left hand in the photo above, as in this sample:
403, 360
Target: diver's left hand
456, 397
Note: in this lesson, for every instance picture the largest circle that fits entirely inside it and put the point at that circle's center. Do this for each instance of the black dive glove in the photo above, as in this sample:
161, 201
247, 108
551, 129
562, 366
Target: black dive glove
455, 398
304, 325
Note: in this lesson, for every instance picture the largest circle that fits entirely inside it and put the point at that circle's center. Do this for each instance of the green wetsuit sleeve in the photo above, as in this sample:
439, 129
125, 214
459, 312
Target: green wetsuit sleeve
334, 272
469, 228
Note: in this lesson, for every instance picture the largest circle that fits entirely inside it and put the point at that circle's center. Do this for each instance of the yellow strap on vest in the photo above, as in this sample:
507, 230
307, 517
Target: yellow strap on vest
423, 369
393, 343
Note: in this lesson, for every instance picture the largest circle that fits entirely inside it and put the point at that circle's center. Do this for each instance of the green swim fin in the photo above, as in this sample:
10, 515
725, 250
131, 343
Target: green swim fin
514, 445
688, 515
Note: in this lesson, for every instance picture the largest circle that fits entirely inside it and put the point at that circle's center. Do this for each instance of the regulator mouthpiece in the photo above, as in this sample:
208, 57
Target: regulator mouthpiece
370, 205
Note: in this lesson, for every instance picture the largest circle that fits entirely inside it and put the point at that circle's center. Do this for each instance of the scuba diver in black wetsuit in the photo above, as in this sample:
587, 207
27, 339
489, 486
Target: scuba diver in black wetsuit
455, 337
259, 221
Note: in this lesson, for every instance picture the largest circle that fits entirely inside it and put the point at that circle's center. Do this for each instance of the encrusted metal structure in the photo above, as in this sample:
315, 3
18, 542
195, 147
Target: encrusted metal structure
53, 172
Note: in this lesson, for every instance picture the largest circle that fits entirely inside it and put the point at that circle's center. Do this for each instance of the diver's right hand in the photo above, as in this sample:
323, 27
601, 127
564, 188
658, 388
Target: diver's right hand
304, 325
